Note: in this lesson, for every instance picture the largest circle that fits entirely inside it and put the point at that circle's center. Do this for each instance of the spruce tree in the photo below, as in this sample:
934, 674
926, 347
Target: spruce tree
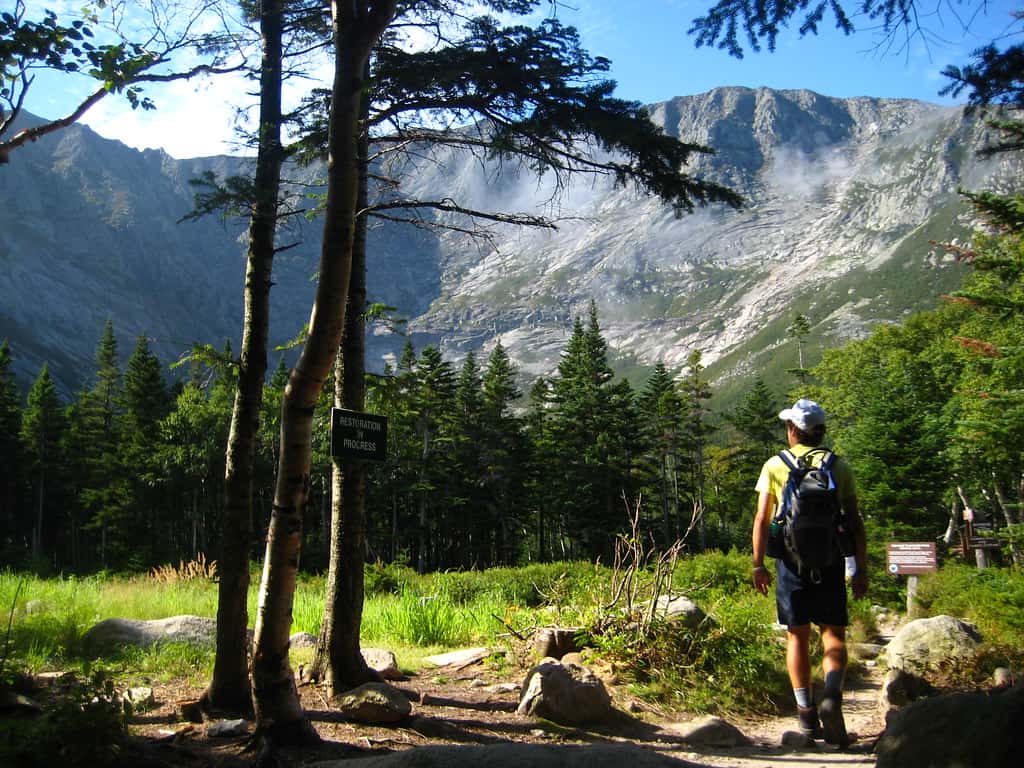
42, 430
467, 501
433, 403
503, 457
696, 390
130, 538
10, 452
662, 437
95, 433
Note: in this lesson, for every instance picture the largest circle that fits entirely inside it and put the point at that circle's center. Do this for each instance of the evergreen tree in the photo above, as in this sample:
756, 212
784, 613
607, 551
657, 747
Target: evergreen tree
503, 455
696, 392
94, 438
467, 501
799, 331
139, 533
541, 474
662, 434
591, 429
10, 453
757, 419
433, 404
42, 429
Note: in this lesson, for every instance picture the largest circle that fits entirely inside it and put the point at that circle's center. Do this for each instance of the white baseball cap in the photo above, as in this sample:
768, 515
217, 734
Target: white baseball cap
805, 415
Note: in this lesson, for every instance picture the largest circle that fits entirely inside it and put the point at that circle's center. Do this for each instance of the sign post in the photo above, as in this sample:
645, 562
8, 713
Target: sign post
357, 435
910, 558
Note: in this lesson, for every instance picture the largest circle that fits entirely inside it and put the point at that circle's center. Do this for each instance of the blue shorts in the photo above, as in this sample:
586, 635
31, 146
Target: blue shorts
800, 601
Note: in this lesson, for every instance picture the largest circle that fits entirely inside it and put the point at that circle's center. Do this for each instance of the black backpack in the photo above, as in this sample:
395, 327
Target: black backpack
809, 522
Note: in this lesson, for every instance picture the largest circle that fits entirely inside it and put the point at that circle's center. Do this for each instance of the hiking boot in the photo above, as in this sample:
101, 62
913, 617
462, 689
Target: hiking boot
810, 725
831, 713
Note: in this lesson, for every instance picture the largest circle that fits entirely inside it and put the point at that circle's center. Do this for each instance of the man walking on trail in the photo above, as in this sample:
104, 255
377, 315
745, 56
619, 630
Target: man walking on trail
804, 596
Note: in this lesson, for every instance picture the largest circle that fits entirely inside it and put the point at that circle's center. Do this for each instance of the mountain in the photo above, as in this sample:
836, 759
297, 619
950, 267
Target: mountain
843, 197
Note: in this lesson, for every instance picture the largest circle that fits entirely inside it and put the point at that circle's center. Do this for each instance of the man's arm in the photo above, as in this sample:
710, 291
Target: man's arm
859, 582
762, 518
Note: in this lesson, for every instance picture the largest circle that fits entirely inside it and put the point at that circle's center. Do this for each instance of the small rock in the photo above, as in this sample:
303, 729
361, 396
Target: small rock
16, 704
503, 688
710, 731
477, 683
302, 640
868, 650
575, 657
461, 658
1002, 677
141, 698
564, 693
226, 729
190, 710
555, 642
383, 662
797, 740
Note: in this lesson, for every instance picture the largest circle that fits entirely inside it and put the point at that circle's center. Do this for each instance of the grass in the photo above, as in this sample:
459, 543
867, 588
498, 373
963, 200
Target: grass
731, 664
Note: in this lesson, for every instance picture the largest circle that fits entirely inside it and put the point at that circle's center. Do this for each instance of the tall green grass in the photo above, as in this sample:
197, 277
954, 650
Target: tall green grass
731, 663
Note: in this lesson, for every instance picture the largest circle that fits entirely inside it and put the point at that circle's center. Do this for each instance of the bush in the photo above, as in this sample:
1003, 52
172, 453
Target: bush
992, 599
84, 728
730, 664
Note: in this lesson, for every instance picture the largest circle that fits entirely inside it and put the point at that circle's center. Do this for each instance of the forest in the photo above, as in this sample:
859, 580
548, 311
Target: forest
129, 474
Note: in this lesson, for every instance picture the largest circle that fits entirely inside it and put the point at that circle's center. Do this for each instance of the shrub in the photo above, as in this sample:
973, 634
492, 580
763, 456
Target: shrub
992, 599
83, 728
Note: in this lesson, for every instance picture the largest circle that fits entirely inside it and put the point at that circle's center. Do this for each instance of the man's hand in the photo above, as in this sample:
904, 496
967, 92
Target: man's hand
859, 584
762, 579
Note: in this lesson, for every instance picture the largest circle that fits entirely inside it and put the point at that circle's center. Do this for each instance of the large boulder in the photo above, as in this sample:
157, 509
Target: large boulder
515, 755
961, 729
110, 635
568, 694
681, 609
374, 703
925, 645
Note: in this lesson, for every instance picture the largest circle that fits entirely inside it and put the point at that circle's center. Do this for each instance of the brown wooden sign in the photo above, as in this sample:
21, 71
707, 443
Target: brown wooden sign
903, 558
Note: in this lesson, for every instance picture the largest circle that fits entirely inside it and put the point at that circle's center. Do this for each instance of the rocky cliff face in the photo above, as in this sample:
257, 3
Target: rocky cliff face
843, 196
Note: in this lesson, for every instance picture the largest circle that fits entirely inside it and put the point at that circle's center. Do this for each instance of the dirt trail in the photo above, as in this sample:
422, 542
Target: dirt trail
472, 706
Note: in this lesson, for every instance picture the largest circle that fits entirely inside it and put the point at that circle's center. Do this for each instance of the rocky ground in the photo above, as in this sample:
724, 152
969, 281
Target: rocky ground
477, 706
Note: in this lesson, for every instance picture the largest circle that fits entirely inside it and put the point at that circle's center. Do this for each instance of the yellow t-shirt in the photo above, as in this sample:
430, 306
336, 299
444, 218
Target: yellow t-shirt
775, 474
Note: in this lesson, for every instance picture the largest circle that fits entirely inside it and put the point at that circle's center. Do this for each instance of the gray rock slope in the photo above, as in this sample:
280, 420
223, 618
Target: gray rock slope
843, 197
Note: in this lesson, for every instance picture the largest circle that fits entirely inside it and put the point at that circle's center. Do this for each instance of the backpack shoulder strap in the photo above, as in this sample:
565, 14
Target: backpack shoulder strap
789, 459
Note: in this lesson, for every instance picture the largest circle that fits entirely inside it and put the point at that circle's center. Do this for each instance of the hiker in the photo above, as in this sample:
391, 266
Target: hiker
802, 594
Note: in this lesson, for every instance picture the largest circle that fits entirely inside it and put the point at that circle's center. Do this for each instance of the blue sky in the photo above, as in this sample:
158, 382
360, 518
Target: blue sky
653, 59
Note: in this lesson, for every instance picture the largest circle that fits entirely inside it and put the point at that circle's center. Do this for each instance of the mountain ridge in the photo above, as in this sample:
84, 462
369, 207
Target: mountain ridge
839, 191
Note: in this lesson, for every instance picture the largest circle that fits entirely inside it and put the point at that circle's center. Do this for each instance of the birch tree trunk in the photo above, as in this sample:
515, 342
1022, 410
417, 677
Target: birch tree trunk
339, 660
356, 29
229, 689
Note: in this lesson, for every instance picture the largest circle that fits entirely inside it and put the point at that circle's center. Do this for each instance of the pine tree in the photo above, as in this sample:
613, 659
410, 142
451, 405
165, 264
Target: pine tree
591, 430
130, 536
10, 452
42, 429
503, 454
662, 436
434, 401
467, 500
541, 474
696, 391
94, 436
